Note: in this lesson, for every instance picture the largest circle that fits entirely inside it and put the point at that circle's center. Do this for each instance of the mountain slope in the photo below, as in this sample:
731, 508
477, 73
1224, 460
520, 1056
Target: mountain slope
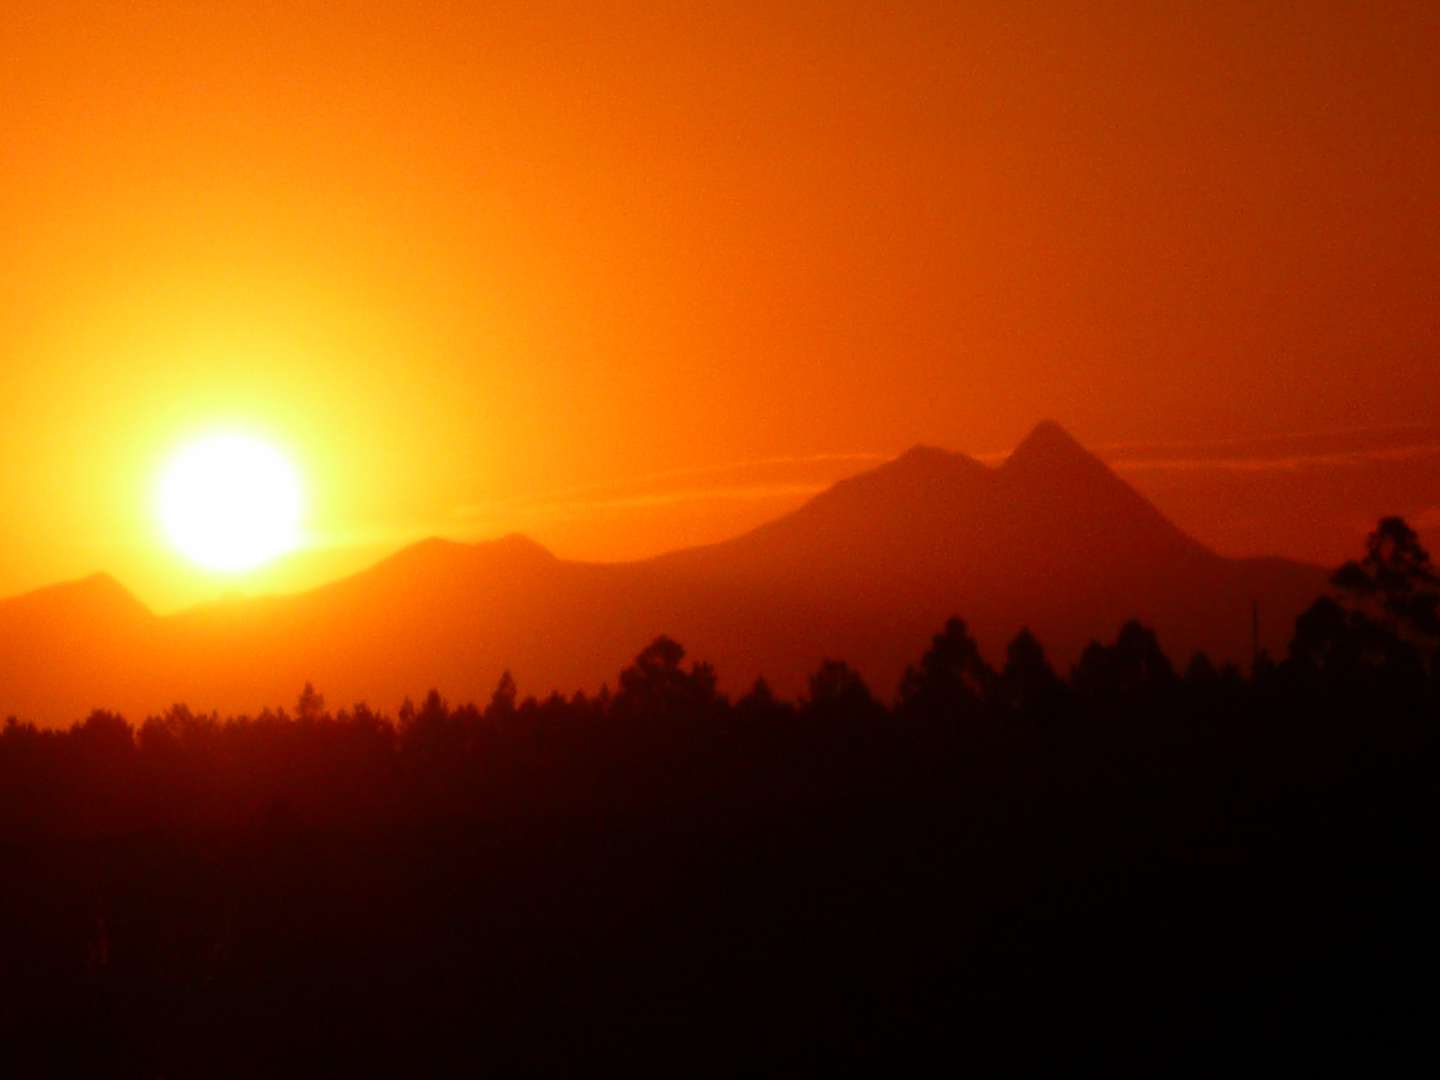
68, 648
866, 571
1053, 539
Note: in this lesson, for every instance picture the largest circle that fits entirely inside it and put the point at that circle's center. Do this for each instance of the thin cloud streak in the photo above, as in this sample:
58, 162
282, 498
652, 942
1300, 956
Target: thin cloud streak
749, 492
1161, 455
567, 497
1280, 437
1170, 454
1288, 462
582, 499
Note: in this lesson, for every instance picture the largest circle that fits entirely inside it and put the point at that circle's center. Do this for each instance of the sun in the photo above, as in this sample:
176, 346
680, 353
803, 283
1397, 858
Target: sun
231, 502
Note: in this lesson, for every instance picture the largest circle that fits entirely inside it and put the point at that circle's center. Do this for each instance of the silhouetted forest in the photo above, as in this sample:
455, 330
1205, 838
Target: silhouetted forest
998, 864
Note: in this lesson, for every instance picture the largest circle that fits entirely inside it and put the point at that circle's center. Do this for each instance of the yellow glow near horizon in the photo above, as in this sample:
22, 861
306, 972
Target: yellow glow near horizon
231, 502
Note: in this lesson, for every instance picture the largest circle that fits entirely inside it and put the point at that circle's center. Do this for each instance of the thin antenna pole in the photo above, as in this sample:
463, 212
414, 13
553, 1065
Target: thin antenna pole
1255, 632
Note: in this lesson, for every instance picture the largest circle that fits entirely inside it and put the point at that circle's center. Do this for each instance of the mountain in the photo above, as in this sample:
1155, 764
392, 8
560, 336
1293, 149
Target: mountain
866, 571
66, 649
1052, 539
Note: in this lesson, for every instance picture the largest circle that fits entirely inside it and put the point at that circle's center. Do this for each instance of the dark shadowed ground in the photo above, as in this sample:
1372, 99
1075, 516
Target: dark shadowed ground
1191, 898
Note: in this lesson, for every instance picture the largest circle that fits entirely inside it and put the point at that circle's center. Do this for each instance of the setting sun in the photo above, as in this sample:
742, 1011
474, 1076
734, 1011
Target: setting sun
230, 502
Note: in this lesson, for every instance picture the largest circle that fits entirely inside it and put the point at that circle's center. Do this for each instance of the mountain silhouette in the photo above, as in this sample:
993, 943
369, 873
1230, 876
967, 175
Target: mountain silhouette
68, 648
866, 571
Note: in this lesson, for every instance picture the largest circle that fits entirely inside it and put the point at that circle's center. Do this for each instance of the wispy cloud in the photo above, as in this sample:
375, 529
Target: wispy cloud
747, 492
1337, 447
799, 476
1373, 432
662, 488
1279, 462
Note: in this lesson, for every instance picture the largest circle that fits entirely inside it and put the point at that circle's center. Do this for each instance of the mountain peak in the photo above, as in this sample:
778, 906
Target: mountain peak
91, 597
440, 554
922, 455
1051, 467
919, 469
520, 546
97, 587
1047, 441
1051, 452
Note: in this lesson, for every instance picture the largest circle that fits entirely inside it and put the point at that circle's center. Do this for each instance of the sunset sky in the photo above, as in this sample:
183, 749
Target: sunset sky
626, 277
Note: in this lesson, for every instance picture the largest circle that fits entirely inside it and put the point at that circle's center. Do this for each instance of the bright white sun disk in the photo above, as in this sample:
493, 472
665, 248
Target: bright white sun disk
231, 502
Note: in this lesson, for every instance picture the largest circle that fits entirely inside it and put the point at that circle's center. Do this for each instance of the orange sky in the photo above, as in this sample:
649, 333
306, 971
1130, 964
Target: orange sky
630, 279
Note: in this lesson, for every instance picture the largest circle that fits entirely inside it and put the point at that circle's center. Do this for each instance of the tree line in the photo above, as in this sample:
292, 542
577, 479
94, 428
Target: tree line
1366, 656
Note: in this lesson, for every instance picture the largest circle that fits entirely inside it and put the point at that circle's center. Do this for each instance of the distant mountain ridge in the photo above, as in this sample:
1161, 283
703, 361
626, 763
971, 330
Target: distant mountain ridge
865, 571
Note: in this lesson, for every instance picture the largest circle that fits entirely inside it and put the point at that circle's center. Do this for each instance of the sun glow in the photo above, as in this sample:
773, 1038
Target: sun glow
230, 502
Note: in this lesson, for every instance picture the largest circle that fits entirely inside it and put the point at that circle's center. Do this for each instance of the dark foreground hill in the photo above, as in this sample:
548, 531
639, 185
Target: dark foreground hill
866, 571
